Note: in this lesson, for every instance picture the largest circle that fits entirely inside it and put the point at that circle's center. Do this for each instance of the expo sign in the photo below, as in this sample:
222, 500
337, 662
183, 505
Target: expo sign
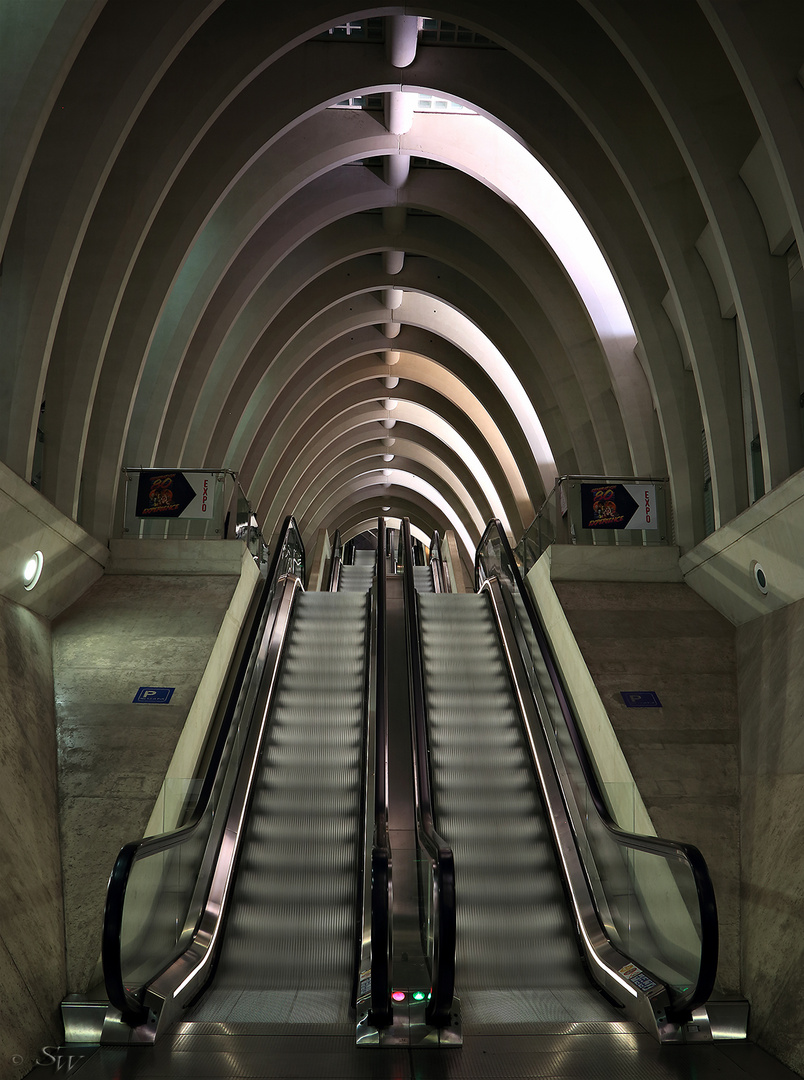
618, 506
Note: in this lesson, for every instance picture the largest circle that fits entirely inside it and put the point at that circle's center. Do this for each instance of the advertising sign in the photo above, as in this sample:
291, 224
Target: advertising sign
619, 506
163, 493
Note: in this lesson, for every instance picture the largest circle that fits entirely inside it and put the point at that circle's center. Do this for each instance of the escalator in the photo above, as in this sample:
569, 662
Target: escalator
254, 911
517, 956
288, 952
561, 916
358, 575
568, 944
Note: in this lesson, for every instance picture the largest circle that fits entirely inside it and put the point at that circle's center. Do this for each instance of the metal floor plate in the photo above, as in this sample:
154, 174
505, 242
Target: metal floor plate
579, 1055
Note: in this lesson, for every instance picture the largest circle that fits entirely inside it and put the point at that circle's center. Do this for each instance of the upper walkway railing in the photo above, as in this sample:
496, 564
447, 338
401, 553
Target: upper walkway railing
600, 510
189, 504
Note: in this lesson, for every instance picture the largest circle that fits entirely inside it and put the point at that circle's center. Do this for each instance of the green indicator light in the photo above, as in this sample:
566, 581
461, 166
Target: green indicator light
418, 996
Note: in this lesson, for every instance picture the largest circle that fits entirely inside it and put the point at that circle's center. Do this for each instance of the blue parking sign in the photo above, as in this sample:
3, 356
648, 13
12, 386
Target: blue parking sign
153, 695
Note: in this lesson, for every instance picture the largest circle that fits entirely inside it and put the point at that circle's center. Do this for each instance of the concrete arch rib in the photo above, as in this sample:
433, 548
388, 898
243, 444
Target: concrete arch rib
408, 455
131, 361
427, 485
158, 363
270, 423
585, 397
659, 52
45, 43
261, 308
355, 526
274, 454
185, 179
350, 436
449, 358
356, 501
287, 377
599, 400
75, 155
156, 273
586, 134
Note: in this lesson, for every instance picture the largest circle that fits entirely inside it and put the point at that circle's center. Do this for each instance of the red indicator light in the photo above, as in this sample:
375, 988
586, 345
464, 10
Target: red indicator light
398, 995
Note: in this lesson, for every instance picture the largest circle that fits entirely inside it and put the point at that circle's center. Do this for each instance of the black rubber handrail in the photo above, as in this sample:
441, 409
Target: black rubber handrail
442, 974
700, 993
436, 565
381, 924
131, 1009
335, 565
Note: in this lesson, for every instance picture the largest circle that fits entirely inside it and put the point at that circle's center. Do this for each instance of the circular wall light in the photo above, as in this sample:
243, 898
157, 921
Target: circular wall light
385, 509
760, 577
32, 570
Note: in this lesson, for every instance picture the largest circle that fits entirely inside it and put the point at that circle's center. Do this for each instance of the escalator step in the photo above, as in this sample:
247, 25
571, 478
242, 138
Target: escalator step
513, 926
291, 919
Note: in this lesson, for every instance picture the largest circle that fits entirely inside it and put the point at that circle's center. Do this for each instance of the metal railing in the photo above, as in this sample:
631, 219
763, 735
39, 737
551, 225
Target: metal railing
436, 867
336, 561
189, 504
381, 881
590, 510
437, 564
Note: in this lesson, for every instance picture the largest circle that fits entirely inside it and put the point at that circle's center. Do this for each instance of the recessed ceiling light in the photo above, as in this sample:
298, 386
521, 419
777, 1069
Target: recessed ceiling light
760, 577
32, 570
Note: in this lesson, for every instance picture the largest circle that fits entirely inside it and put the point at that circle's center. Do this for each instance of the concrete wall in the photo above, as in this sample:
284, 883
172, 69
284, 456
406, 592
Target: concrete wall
770, 664
73, 560
32, 952
769, 532
684, 755
32, 959
769, 643
127, 631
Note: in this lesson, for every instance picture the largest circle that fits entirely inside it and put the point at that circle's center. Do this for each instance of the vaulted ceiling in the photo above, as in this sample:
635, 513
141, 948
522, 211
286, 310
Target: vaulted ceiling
590, 266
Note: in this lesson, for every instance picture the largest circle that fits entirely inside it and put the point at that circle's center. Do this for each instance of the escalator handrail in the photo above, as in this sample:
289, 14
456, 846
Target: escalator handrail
436, 565
688, 853
336, 563
153, 845
381, 951
437, 848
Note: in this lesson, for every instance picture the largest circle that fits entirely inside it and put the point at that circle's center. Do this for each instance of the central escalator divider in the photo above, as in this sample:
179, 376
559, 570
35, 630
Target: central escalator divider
289, 946
516, 952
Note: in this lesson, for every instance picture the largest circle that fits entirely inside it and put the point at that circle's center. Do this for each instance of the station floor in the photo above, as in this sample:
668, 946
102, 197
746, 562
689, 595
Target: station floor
595, 1052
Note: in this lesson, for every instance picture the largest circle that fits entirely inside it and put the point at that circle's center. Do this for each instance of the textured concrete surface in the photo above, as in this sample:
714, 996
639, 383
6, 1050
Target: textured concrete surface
771, 694
32, 961
684, 755
73, 560
768, 532
126, 632
173, 555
